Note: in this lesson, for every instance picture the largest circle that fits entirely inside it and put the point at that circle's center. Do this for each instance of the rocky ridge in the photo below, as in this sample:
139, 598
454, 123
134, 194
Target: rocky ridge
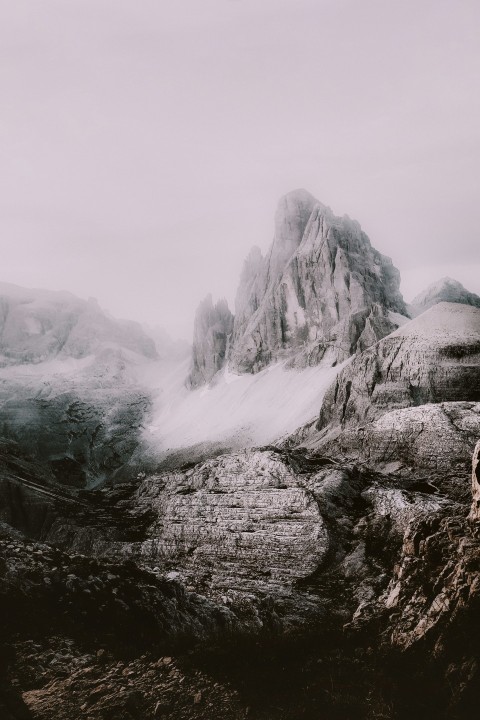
39, 325
321, 293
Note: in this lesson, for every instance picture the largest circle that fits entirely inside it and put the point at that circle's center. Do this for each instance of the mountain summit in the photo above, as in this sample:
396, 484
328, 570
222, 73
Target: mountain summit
321, 293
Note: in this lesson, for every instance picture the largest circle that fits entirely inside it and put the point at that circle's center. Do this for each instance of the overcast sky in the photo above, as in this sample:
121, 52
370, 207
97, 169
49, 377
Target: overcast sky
144, 143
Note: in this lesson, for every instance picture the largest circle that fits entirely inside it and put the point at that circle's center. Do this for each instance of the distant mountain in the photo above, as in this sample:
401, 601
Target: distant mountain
37, 325
73, 396
444, 290
321, 293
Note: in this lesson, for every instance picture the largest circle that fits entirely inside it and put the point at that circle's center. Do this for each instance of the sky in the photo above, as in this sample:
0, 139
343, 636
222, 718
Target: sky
144, 145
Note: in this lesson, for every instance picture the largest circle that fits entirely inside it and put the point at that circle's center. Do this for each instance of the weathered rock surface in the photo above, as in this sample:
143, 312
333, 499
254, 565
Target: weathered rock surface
431, 605
433, 358
70, 394
475, 510
242, 518
213, 326
430, 443
293, 527
83, 423
408, 406
115, 627
444, 290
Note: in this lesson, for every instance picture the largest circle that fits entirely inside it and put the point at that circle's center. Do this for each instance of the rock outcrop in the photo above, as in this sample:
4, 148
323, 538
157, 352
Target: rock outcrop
444, 290
243, 519
434, 358
475, 510
213, 326
430, 606
409, 406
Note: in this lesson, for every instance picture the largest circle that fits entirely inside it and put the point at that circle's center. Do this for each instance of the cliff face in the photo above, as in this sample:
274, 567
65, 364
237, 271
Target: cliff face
320, 294
475, 509
408, 404
213, 326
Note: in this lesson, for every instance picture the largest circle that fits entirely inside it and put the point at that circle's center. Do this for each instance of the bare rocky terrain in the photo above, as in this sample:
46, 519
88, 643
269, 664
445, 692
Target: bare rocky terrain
332, 570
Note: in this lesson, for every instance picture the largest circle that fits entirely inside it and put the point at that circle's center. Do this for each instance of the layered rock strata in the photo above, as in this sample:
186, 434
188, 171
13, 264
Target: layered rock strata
243, 520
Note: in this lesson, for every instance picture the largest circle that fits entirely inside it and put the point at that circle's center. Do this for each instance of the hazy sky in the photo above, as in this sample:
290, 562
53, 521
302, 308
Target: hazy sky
144, 143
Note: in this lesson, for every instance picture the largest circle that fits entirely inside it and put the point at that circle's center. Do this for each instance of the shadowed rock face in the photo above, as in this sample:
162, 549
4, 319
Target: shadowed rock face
444, 290
213, 326
83, 434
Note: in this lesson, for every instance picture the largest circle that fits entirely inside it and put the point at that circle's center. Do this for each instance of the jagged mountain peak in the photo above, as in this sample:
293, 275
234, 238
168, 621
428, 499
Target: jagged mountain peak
291, 218
320, 293
321, 286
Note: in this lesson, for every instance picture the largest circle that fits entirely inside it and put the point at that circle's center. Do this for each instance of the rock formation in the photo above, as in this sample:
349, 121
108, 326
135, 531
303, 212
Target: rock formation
408, 405
320, 294
444, 290
38, 325
243, 519
351, 534
322, 290
213, 326
434, 358
475, 510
